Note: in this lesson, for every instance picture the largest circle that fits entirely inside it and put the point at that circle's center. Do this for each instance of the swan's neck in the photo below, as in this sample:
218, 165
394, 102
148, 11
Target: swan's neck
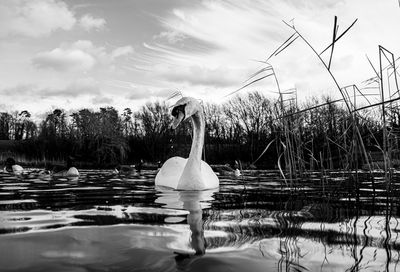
192, 178
198, 138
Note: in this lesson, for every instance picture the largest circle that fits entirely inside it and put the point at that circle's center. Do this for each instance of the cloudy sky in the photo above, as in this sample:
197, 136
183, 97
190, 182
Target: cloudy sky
91, 53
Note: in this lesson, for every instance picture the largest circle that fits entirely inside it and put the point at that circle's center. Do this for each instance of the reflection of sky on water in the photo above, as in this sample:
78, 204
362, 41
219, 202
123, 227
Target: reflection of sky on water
120, 223
152, 247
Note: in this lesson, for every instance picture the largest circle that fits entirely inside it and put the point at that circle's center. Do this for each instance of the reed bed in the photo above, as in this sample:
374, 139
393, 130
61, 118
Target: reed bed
345, 147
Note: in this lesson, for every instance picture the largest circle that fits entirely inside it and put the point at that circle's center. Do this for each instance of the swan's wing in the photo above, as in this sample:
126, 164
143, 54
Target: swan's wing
170, 172
210, 178
72, 171
17, 169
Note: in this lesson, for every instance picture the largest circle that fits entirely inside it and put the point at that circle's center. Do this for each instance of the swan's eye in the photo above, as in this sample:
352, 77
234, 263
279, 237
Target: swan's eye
177, 109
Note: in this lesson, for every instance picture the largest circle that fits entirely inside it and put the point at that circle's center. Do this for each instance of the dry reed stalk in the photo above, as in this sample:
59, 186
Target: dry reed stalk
386, 147
289, 126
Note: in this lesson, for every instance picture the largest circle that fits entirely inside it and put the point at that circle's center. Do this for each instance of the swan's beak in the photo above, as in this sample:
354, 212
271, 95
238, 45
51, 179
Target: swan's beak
177, 119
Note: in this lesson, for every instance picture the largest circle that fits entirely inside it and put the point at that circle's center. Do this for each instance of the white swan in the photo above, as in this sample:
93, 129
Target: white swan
70, 172
12, 167
191, 173
62, 171
226, 170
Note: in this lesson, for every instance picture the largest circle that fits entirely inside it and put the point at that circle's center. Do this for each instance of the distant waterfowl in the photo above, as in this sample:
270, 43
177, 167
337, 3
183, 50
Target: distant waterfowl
12, 167
192, 173
237, 173
124, 169
139, 166
226, 170
62, 171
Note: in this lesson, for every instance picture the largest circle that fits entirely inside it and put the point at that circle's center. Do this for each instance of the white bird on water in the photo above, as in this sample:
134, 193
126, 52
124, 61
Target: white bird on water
191, 173
12, 167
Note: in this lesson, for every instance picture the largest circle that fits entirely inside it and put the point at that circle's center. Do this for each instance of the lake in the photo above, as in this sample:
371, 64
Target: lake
103, 221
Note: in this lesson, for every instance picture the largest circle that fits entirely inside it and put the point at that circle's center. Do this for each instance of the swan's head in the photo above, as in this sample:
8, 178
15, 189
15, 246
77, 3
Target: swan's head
9, 162
183, 109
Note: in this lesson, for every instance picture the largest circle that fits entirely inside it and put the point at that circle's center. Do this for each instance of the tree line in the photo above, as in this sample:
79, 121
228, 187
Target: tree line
243, 128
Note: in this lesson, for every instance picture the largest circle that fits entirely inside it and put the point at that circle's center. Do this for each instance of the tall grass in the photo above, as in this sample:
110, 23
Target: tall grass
350, 145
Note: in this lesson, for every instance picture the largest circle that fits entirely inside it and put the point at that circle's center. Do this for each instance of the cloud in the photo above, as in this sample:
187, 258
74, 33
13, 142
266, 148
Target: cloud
211, 44
121, 51
20, 90
204, 76
235, 32
102, 100
88, 22
315, 5
64, 60
82, 55
142, 92
79, 87
34, 18
139, 93
203, 47
172, 36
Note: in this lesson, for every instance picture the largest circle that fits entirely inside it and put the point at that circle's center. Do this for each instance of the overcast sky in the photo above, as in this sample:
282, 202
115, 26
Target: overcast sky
91, 53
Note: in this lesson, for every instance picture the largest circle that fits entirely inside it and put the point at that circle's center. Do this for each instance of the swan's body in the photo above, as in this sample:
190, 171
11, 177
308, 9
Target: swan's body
124, 169
226, 170
237, 173
70, 172
15, 169
12, 167
191, 173
171, 173
62, 171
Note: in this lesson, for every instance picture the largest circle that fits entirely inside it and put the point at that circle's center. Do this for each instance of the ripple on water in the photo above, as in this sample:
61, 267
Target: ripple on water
39, 181
174, 219
8, 202
13, 188
6, 193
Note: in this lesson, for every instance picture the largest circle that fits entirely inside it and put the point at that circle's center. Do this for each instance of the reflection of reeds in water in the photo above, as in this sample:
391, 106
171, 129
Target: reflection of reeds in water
22, 159
341, 222
297, 236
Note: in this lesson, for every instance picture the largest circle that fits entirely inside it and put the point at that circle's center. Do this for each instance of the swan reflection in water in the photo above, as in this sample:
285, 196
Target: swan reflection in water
194, 202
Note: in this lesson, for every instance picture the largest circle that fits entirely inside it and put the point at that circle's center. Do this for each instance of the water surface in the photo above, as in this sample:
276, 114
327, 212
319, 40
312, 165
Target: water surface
107, 222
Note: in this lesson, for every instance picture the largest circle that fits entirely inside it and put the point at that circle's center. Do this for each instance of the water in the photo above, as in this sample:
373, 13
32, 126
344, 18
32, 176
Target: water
106, 222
